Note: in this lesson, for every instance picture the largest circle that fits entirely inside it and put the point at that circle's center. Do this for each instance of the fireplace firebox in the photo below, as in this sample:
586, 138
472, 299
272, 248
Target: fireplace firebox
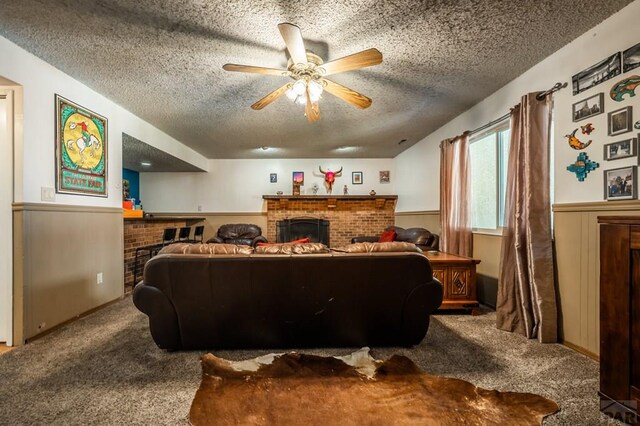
317, 230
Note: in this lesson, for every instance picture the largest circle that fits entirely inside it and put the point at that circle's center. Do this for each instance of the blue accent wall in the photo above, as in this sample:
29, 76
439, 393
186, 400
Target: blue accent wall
134, 183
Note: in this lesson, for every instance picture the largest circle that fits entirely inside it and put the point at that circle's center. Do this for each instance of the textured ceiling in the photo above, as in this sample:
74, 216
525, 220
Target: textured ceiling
135, 152
162, 60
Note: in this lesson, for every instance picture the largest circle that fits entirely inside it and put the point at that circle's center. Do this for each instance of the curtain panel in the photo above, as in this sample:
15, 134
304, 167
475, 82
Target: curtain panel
526, 288
455, 197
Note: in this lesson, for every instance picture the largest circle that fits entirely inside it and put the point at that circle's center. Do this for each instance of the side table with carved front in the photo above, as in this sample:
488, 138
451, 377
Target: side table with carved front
458, 277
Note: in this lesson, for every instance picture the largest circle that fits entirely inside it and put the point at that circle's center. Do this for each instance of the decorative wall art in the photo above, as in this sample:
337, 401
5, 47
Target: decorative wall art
330, 178
587, 129
576, 143
626, 86
356, 178
588, 107
582, 166
637, 125
622, 149
598, 73
273, 177
631, 58
81, 150
620, 121
298, 181
385, 176
620, 184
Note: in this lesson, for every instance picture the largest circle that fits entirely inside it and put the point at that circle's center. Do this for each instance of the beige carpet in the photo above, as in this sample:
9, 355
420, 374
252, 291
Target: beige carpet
105, 369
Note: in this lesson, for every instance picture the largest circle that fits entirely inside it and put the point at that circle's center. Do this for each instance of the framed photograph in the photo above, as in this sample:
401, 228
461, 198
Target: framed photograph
622, 149
598, 73
620, 121
631, 58
385, 176
298, 178
273, 177
81, 150
588, 107
620, 184
356, 178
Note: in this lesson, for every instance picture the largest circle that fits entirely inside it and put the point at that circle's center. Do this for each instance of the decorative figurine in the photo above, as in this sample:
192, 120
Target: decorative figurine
372, 192
587, 129
345, 190
315, 188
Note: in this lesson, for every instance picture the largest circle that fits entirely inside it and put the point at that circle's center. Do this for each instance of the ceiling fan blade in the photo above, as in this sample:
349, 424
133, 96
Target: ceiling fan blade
255, 70
311, 110
271, 97
363, 59
346, 94
293, 39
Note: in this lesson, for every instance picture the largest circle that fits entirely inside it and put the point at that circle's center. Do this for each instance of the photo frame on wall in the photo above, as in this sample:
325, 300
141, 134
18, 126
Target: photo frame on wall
620, 183
385, 176
631, 58
598, 73
620, 121
81, 150
356, 178
588, 107
621, 149
273, 177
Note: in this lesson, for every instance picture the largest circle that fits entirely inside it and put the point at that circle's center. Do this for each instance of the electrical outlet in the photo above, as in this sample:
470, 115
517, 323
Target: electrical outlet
199, 208
99, 278
47, 194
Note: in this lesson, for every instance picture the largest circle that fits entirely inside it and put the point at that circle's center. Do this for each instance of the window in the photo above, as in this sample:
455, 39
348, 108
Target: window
489, 153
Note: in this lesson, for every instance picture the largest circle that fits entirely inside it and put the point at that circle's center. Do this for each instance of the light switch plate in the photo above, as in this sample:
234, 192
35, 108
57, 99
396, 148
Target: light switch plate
47, 194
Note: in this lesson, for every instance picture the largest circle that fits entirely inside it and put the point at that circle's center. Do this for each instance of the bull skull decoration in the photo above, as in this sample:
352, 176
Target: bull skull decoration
330, 178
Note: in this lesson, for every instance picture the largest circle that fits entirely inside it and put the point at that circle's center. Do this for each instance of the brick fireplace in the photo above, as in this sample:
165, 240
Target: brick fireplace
349, 215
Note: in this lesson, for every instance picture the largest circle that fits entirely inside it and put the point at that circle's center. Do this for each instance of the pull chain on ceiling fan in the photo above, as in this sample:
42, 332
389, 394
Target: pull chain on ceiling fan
309, 71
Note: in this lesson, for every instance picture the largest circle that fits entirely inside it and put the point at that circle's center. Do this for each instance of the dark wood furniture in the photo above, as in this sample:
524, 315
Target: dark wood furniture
458, 276
620, 317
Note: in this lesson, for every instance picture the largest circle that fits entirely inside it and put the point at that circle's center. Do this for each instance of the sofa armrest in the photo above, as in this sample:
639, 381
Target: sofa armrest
216, 240
363, 239
163, 320
421, 303
258, 239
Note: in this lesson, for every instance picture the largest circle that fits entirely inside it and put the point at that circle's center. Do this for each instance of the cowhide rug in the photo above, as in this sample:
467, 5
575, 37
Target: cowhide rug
297, 389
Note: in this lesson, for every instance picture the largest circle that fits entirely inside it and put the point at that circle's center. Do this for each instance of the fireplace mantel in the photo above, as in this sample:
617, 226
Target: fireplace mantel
349, 215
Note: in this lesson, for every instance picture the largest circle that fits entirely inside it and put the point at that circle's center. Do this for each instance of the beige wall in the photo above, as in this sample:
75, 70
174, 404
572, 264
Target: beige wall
424, 219
578, 261
58, 252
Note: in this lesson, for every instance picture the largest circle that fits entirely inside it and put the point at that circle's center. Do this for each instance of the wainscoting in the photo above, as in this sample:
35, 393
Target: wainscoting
58, 252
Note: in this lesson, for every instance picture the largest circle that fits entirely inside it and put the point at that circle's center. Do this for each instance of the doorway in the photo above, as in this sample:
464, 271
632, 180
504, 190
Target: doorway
6, 216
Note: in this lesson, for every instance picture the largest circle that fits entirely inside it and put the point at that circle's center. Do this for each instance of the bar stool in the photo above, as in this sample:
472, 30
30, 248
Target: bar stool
168, 236
183, 235
198, 235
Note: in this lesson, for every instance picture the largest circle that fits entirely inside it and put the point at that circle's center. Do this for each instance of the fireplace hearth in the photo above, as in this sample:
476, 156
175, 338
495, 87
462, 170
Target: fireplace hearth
317, 230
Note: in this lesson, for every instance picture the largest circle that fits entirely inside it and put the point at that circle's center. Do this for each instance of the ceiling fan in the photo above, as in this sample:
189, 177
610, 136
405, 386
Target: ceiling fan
309, 72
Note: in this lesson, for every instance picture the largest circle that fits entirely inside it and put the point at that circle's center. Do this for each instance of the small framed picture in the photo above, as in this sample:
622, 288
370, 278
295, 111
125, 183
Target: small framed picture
273, 177
385, 176
356, 178
631, 58
620, 121
622, 149
588, 107
298, 178
620, 184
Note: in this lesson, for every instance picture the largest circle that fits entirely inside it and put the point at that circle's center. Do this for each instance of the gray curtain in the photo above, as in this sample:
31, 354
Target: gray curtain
455, 197
526, 290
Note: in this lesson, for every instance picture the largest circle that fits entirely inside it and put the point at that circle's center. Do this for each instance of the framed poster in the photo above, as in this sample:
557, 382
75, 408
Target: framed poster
620, 121
356, 178
620, 184
622, 149
81, 150
598, 73
588, 107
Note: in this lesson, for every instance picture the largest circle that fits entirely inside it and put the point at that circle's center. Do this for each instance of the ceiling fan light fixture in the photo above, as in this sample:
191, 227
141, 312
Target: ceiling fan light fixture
291, 94
315, 89
299, 87
301, 100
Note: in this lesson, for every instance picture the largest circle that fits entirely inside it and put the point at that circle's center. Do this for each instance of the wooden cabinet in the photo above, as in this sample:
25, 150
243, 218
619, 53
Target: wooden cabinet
458, 277
620, 317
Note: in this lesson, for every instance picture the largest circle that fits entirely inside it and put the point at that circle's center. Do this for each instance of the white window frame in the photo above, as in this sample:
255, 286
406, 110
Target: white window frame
504, 124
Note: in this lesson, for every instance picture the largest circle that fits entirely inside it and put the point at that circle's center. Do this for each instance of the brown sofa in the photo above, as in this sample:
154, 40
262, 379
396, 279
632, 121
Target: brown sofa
243, 300
239, 233
421, 237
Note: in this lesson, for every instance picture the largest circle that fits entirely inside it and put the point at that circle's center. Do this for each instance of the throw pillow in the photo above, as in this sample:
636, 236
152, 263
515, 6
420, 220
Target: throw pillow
387, 236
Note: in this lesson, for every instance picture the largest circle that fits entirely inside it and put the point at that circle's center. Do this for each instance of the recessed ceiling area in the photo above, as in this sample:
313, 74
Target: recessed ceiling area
142, 157
162, 60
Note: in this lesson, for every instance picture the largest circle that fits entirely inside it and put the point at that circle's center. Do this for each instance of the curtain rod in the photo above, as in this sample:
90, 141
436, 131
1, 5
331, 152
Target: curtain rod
540, 96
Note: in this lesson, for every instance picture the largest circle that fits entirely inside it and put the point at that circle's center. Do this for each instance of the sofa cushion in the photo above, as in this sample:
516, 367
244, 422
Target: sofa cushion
188, 248
300, 241
289, 248
387, 236
395, 246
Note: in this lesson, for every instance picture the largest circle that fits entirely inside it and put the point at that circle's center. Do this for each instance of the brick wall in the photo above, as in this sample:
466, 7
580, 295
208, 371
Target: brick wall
349, 217
138, 233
